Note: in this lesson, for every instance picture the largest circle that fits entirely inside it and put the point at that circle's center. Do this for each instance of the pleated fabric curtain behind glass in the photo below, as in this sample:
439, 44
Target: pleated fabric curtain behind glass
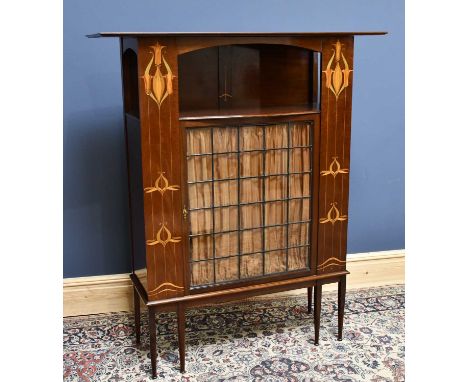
249, 200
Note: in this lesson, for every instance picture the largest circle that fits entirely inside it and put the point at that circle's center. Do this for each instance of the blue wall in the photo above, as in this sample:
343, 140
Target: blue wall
95, 199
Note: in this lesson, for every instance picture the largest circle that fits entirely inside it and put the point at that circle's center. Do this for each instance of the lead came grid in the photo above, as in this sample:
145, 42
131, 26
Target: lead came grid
249, 200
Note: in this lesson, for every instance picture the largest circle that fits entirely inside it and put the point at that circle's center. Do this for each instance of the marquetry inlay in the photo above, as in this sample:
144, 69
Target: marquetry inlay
337, 79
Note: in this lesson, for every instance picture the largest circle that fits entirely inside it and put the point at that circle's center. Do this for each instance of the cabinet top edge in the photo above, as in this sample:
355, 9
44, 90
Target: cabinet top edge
236, 34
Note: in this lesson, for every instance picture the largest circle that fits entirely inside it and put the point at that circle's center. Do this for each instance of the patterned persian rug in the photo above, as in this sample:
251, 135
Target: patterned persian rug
263, 339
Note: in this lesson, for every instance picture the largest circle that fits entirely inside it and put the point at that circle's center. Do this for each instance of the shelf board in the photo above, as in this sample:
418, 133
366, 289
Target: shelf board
199, 115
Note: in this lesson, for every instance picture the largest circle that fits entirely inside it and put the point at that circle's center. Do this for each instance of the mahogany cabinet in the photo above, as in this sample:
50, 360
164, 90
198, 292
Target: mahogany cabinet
238, 149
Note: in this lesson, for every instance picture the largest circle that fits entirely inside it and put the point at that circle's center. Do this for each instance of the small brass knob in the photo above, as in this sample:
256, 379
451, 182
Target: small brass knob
185, 212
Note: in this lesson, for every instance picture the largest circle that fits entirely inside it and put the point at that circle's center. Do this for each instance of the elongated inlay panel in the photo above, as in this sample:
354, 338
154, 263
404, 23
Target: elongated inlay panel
249, 200
161, 148
337, 77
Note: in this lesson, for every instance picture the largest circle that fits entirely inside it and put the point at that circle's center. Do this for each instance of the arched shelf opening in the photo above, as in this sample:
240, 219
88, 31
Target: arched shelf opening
250, 79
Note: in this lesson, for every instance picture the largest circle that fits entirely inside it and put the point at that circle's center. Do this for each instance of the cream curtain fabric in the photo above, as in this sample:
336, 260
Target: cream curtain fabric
231, 171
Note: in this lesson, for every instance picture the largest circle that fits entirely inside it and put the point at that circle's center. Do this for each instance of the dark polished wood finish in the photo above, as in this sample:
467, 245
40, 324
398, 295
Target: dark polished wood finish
309, 299
152, 333
341, 305
317, 311
334, 163
236, 34
229, 79
136, 308
181, 332
258, 112
176, 84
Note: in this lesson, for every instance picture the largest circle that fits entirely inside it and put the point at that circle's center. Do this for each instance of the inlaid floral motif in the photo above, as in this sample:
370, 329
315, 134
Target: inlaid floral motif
334, 169
161, 185
158, 77
337, 78
333, 215
163, 237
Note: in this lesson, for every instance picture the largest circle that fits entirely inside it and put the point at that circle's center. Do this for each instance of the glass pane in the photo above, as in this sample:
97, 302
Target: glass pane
276, 187
251, 216
199, 195
275, 237
225, 219
201, 247
198, 141
227, 269
299, 210
251, 138
276, 136
225, 192
200, 222
251, 164
299, 160
298, 234
251, 190
275, 262
300, 134
202, 273
299, 185
276, 162
251, 241
226, 244
251, 265
298, 258
224, 139
225, 166
199, 168
275, 213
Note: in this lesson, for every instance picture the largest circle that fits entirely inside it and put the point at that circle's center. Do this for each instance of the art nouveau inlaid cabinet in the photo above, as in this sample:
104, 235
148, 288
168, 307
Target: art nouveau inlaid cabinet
238, 166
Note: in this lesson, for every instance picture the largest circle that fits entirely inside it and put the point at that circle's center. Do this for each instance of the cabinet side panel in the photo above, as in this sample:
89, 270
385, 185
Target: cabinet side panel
336, 90
161, 148
136, 195
129, 62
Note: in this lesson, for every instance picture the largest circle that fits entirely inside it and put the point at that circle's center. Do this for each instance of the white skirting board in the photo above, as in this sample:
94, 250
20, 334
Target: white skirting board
113, 293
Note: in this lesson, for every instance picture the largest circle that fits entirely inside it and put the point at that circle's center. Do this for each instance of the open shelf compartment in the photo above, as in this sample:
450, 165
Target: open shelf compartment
254, 80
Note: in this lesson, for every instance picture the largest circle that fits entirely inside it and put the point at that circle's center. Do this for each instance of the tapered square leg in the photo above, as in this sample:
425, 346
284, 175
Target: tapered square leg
341, 305
181, 328
152, 332
309, 300
136, 309
317, 311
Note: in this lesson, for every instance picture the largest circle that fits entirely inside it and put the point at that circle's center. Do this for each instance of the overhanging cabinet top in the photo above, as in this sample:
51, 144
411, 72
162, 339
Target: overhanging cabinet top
235, 34
188, 40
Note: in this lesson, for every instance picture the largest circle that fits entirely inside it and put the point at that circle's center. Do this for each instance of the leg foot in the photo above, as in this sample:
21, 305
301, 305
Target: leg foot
341, 305
181, 328
317, 311
309, 300
136, 309
152, 331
